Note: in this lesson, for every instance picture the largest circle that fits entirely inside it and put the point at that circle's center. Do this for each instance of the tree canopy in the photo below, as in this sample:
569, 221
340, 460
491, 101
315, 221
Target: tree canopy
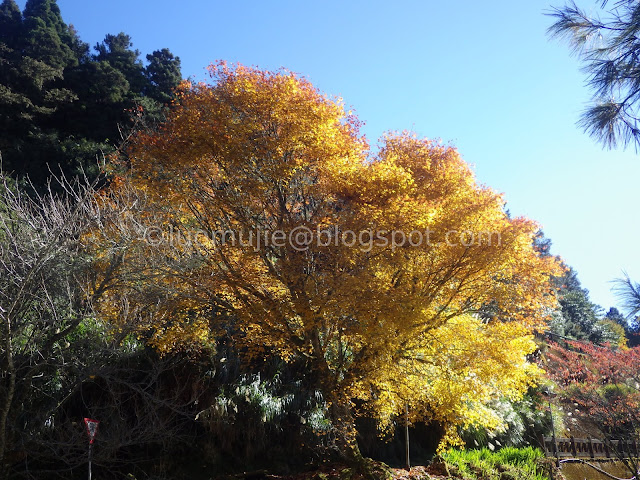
250, 276
63, 106
373, 267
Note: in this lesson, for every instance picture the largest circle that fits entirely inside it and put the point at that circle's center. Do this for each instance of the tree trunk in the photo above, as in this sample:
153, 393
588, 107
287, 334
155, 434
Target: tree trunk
7, 399
340, 412
346, 442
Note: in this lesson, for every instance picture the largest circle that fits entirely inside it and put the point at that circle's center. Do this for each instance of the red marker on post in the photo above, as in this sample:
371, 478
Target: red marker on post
92, 430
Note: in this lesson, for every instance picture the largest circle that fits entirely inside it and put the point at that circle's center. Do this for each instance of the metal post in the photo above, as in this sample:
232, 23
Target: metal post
406, 435
90, 445
553, 432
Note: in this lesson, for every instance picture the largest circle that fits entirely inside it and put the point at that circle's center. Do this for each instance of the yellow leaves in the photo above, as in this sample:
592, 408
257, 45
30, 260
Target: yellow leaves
451, 373
388, 322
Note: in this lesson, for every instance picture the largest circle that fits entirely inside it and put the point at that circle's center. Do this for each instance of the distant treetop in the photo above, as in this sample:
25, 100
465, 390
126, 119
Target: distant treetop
62, 105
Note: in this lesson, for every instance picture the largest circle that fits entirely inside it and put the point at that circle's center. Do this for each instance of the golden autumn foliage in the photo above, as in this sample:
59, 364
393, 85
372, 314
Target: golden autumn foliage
399, 277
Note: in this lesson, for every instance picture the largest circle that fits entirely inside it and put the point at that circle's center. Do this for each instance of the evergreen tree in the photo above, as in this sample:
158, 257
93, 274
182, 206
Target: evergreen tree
12, 102
615, 316
10, 30
31, 87
80, 49
47, 38
580, 315
102, 92
10, 23
163, 73
60, 106
607, 43
576, 316
542, 244
117, 51
628, 292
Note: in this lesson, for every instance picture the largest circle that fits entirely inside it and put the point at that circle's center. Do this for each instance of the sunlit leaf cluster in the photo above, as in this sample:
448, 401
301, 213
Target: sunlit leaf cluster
443, 324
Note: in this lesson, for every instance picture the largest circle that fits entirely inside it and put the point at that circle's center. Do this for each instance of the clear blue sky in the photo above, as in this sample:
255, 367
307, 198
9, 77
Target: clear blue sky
482, 75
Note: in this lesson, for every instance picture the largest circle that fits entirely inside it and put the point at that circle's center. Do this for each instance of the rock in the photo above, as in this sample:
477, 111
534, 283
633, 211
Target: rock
438, 467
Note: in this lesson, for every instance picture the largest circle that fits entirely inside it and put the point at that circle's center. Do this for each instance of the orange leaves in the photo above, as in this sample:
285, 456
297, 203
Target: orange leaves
403, 250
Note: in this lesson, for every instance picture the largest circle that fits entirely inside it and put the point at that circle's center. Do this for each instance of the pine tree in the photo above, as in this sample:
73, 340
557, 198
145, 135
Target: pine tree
47, 38
60, 106
606, 41
10, 23
117, 51
12, 102
163, 74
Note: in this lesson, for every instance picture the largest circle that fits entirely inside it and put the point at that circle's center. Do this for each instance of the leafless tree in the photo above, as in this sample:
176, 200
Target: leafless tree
42, 299
57, 360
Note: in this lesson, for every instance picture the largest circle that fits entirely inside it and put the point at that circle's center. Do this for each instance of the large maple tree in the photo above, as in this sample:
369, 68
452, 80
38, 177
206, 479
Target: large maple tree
398, 277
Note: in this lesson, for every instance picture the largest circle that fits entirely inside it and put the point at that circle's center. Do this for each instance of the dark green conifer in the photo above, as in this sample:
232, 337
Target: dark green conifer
163, 73
46, 37
10, 23
117, 51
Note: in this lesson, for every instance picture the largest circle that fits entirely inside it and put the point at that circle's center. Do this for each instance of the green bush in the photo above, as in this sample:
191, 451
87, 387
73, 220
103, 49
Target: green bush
518, 456
506, 463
